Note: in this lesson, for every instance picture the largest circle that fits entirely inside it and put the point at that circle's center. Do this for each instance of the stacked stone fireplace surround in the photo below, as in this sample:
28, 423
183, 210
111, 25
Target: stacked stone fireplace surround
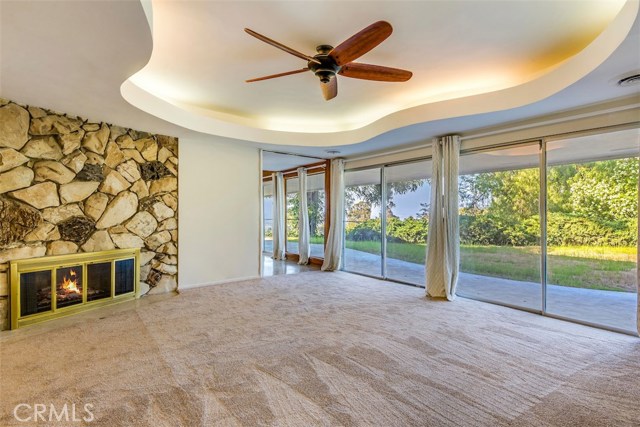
71, 185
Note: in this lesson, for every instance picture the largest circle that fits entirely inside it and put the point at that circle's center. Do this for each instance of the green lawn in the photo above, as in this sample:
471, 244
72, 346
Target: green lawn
609, 268
313, 239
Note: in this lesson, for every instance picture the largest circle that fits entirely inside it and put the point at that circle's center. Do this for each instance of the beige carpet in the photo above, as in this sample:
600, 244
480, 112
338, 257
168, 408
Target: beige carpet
321, 349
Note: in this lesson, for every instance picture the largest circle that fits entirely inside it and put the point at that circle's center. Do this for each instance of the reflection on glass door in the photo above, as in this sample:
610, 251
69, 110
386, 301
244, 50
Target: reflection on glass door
500, 226
363, 243
407, 220
592, 228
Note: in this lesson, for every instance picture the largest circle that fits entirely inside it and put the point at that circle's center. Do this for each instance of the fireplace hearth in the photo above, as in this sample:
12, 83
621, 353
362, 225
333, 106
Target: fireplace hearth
56, 286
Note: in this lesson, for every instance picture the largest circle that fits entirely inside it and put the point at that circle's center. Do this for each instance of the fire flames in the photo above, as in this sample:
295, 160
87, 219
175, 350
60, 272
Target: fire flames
71, 284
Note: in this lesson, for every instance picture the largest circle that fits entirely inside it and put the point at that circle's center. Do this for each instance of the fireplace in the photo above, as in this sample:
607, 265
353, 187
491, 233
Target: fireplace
56, 286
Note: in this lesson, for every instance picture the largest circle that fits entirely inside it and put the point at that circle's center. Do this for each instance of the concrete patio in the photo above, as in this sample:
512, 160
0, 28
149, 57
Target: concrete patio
607, 308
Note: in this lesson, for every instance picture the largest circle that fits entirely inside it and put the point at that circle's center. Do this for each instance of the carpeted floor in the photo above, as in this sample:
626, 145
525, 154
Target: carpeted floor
321, 349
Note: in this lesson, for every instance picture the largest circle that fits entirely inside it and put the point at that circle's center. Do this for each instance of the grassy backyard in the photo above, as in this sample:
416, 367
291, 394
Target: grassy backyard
609, 268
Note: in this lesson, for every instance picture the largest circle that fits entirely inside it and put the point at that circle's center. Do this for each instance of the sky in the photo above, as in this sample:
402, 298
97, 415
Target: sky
409, 204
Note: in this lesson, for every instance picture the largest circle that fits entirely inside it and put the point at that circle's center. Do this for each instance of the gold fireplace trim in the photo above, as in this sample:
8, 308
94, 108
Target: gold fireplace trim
56, 262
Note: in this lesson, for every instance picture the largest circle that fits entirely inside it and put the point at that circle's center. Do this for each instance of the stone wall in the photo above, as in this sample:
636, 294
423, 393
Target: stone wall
70, 185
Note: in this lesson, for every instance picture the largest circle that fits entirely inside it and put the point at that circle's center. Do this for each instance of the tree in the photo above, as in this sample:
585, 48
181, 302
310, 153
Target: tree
475, 192
559, 187
606, 190
293, 214
423, 213
359, 212
373, 193
315, 205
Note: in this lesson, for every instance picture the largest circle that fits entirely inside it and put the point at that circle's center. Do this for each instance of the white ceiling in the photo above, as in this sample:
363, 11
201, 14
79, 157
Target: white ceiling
189, 73
204, 63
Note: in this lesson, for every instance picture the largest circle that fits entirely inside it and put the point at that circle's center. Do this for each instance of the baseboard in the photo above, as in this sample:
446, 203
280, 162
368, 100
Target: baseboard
218, 282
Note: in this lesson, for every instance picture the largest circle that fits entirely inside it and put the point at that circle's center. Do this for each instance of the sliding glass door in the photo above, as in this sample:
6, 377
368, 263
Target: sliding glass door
592, 228
499, 193
363, 221
549, 226
588, 270
407, 220
390, 245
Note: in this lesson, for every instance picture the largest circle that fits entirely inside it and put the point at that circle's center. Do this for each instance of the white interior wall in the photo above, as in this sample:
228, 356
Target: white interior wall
219, 211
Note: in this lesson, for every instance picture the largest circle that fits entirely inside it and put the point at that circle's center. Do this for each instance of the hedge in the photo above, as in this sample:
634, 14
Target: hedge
483, 229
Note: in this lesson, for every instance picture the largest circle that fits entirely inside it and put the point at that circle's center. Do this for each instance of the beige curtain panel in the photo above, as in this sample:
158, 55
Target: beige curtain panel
443, 240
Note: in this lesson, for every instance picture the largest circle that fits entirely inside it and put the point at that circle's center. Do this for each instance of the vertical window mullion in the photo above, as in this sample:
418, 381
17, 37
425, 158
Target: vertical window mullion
543, 223
383, 223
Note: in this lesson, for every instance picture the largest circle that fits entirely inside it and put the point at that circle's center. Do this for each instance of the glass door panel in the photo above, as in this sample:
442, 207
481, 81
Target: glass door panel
316, 208
592, 228
35, 292
499, 194
98, 281
125, 276
363, 201
293, 207
407, 220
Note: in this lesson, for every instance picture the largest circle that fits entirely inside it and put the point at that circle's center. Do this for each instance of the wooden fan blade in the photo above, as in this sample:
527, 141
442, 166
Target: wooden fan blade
273, 76
375, 72
361, 42
280, 46
330, 90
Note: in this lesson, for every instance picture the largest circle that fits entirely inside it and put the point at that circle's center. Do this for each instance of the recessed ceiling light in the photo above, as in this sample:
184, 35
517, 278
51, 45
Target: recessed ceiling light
630, 80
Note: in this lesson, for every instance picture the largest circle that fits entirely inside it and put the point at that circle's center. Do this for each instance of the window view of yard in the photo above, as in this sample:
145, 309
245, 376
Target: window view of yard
363, 194
293, 204
593, 225
591, 233
315, 207
577, 266
591, 198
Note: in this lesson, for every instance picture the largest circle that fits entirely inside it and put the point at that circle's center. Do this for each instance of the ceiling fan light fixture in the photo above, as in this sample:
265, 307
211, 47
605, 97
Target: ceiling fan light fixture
325, 76
330, 61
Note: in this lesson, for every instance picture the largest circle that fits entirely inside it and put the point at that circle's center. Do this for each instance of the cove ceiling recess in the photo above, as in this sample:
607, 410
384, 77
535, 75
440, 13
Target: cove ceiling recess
467, 58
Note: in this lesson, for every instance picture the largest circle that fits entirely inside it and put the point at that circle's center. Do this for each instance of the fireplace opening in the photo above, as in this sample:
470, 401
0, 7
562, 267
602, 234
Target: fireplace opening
60, 285
68, 286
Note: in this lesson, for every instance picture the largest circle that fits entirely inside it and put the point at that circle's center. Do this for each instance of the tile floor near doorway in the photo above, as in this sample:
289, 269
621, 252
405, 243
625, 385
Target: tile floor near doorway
272, 267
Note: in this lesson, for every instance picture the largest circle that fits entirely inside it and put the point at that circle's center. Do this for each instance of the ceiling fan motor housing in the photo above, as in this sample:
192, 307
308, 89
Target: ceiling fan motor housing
327, 68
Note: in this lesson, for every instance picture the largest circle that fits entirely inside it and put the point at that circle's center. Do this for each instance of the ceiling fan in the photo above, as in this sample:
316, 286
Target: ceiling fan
330, 61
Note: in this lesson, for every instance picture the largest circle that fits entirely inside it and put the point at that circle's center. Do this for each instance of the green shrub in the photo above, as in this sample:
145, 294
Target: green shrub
572, 230
562, 230
368, 230
408, 230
